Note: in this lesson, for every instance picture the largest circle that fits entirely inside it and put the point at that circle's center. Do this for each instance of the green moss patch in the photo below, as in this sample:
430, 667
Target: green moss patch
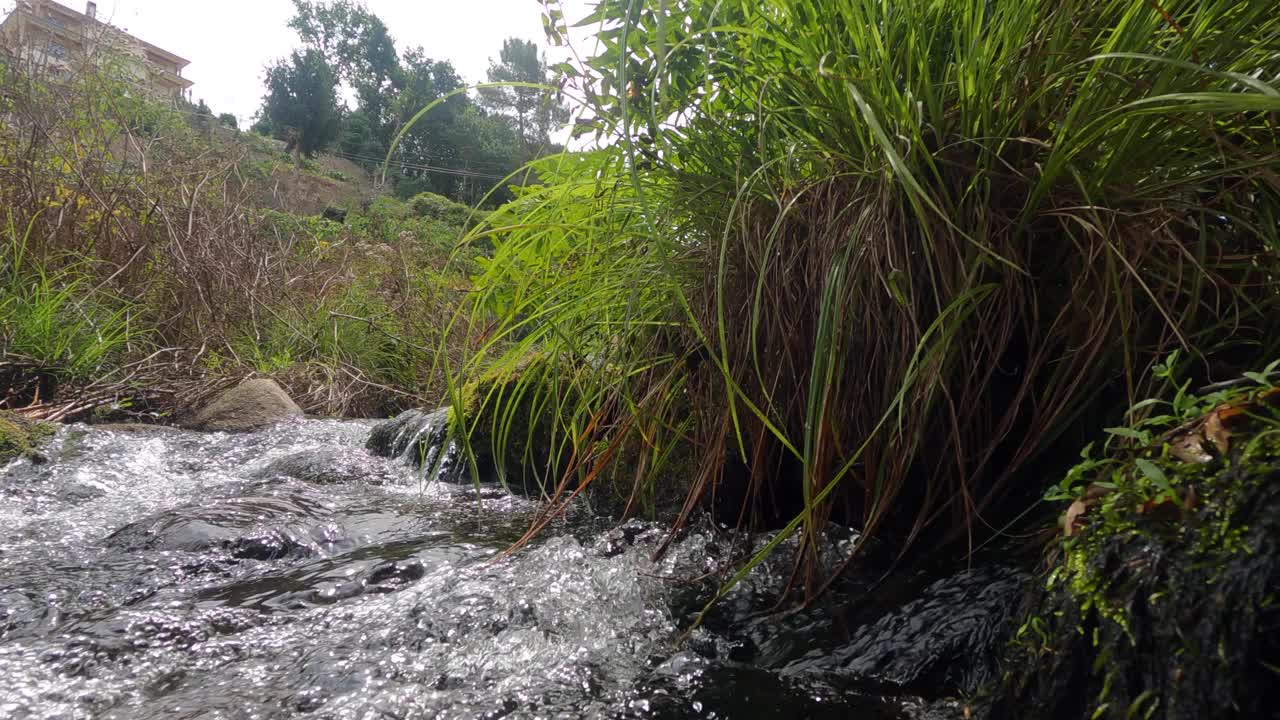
19, 436
1163, 600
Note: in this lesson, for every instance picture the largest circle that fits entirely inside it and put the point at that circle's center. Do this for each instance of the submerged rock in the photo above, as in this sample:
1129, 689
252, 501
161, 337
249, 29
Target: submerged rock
251, 405
948, 640
257, 528
324, 466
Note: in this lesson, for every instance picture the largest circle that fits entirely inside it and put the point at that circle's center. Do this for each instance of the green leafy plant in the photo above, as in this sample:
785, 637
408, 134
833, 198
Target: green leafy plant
886, 256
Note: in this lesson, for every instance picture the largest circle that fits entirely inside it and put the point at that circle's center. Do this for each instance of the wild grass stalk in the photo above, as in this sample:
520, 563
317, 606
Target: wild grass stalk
884, 258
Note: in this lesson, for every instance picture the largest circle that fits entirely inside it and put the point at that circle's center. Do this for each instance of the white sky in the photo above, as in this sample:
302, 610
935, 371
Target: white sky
230, 42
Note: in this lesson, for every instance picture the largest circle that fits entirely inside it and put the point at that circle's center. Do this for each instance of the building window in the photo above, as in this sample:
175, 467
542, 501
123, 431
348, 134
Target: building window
56, 21
58, 50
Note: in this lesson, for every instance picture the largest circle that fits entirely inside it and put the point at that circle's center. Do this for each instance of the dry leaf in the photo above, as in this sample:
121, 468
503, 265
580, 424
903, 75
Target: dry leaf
1215, 431
1189, 447
1071, 517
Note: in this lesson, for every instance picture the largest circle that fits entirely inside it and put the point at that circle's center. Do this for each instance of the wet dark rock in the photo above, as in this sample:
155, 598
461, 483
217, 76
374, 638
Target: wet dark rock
946, 641
398, 573
416, 430
324, 466
251, 405
257, 528
1170, 616
420, 438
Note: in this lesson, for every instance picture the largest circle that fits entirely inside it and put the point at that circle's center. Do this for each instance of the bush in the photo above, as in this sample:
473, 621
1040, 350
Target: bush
54, 320
138, 233
892, 253
439, 207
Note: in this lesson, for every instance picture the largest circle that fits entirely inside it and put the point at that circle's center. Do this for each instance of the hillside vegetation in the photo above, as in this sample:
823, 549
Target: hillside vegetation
147, 255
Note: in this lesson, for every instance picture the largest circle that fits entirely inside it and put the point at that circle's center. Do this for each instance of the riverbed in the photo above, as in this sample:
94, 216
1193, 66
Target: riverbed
160, 573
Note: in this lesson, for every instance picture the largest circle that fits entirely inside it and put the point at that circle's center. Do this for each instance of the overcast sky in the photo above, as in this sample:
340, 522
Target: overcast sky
229, 42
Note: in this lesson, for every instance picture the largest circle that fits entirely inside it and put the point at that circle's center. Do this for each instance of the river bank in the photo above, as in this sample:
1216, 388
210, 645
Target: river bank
214, 548
173, 573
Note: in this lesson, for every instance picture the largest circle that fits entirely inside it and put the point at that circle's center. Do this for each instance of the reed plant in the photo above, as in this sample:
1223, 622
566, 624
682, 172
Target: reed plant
874, 261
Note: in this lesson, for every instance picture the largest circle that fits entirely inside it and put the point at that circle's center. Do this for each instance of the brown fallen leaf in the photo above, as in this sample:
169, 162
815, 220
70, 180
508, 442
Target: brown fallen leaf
1189, 447
1215, 431
1071, 518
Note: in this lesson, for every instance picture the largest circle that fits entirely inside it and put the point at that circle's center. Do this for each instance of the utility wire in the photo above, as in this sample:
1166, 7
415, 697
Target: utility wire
379, 161
424, 168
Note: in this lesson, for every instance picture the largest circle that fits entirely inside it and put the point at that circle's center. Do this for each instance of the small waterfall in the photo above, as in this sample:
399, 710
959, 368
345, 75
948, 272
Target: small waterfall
421, 439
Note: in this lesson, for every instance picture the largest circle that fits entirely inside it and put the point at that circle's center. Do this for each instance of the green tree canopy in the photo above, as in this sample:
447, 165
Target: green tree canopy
359, 48
534, 113
301, 105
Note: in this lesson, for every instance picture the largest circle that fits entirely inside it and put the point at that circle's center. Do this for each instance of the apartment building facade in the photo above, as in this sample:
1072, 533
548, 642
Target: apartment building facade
45, 35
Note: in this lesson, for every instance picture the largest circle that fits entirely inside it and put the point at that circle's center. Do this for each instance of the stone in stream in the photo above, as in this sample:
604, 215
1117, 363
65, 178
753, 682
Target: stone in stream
420, 438
254, 528
947, 640
251, 405
328, 466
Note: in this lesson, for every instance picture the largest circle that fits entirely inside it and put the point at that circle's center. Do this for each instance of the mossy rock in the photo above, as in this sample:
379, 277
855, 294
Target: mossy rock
518, 418
522, 419
1165, 600
20, 437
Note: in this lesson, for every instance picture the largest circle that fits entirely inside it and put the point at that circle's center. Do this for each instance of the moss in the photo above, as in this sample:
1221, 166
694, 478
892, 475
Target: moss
20, 437
527, 421
1160, 603
520, 419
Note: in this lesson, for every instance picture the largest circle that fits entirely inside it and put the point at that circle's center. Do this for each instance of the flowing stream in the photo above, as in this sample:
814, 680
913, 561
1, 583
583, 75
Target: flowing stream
159, 573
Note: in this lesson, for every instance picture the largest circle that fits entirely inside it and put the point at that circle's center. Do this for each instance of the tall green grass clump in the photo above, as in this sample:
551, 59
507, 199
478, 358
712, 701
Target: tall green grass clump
874, 261
53, 320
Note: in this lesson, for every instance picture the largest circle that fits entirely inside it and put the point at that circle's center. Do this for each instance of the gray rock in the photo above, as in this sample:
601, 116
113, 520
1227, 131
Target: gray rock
133, 428
251, 405
253, 527
328, 466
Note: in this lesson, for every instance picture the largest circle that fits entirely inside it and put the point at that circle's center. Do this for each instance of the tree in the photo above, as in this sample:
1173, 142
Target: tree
201, 116
359, 48
229, 121
423, 82
534, 112
301, 105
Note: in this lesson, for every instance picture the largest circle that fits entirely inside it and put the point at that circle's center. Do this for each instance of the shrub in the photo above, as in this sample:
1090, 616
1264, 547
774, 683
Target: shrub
892, 253
439, 207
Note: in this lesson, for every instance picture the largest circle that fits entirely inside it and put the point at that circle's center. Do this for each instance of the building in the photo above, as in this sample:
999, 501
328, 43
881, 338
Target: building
45, 35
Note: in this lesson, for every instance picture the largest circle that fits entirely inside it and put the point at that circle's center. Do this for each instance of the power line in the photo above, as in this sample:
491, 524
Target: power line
424, 168
379, 160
